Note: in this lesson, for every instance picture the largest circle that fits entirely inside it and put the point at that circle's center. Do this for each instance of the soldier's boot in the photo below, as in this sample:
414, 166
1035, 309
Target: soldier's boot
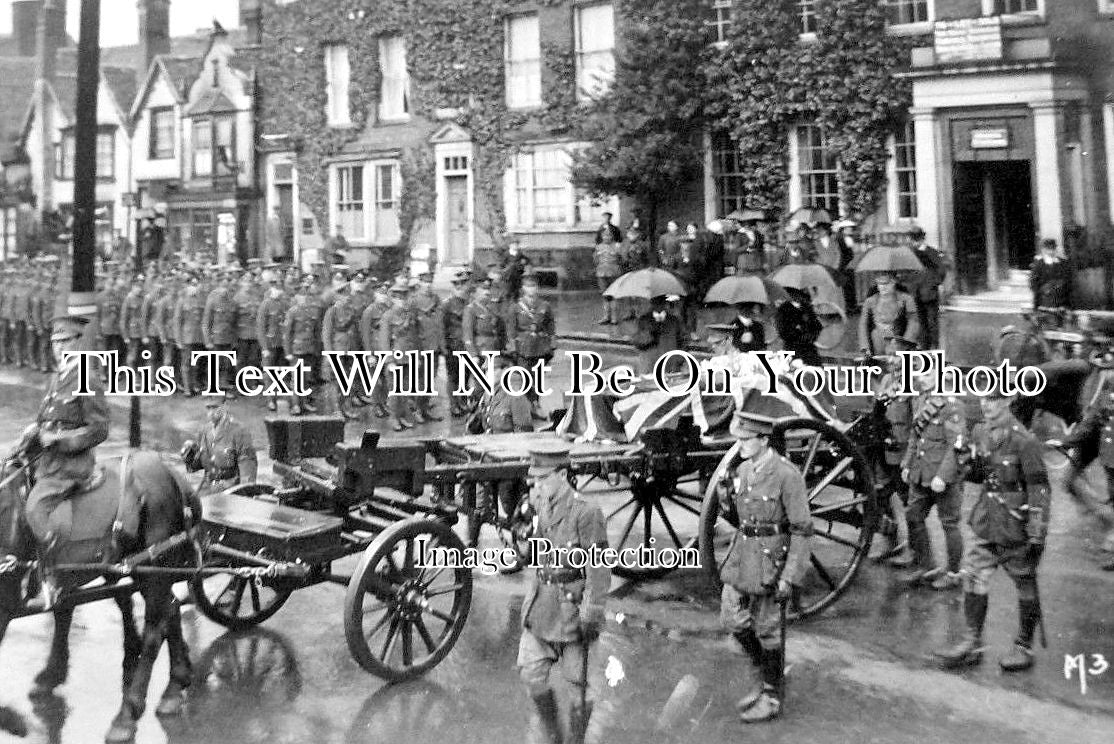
768, 705
748, 639
578, 721
967, 652
1021, 656
48, 588
545, 705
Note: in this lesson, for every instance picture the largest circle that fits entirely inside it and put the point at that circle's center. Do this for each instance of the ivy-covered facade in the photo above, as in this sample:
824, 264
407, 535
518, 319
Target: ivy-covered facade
461, 123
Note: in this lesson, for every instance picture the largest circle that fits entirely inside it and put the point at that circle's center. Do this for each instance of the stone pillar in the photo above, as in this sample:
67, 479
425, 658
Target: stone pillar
1046, 170
929, 158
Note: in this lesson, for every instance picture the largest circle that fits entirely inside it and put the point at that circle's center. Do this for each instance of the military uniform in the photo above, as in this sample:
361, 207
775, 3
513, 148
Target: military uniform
531, 330
152, 314
563, 611
431, 337
269, 320
247, 300
483, 327
887, 315
939, 423
1009, 520
301, 338
927, 292
370, 321
227, 455
336, 333
133, 325
164, 321
33, 335
19, 320
399, 330
218, 327
111, 306
452, 341
82, 423
188, 315
7, 286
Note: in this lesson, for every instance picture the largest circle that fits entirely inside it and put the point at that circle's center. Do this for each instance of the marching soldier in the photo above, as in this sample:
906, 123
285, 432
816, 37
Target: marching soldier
301, 339
482, 323
188, 315
563, 612
223, 449
133, 325
768, 556
431, 332
218, 324
531, 330
152, 312
398, 330
246, 300
1010, 523
931, 469
163, 321
887, 313
268, 328
33, 319
7, 322
337, 326
452, 336
370, 320
898, 412
111, 305
19, 320
67, 431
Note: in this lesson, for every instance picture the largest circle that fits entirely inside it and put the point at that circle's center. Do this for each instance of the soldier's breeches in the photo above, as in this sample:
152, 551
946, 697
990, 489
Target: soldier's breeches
983, 558
48, 507
948, 507
738, 611
536, 658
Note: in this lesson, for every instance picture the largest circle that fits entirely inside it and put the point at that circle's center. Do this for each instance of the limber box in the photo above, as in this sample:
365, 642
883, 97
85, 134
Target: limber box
294, 438
281, 532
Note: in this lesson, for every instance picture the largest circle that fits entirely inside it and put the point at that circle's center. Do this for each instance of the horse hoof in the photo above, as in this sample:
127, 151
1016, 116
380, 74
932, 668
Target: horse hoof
171, 705
122, 730
12, 722
46, 681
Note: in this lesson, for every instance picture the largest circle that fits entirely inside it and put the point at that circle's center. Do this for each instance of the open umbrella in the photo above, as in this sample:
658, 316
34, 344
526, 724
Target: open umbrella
732, 290
889, 259
646, 284
747, 215
811, 215
813, 278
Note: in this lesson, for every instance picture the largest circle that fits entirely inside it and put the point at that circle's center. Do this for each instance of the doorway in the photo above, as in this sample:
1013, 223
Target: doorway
456, 226
994, 230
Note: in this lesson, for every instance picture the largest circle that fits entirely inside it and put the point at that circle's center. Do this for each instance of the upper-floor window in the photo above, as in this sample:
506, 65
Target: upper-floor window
720, 20
524, 61
365, 201
394, 88
160, 145
106, 154
350, 201
817, 169
337, 76
899, 12
806, 11
540, 193
1007, 7
595, 49
202, 147
905, 172
728, 174
64, 152
214, 146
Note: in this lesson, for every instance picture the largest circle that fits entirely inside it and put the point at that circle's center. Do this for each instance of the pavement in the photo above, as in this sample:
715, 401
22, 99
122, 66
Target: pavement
861, 670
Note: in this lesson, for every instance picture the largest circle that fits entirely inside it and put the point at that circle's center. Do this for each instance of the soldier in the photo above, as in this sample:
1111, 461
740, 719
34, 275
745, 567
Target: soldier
514, 270
33, 333
563, 612
111, 303
370, 320
531, 331
164, 321
452, 337
223, 449
153, 303
301, 339
1010, 522
218, 324
898, 412
431, 331
133, 325
608, 257
927, 291
7, 324
67, 430
932, 472
337, 327
246, 300
768, 556
888, 312
19, 318
398, 330
188, 315
482, 323
268, 328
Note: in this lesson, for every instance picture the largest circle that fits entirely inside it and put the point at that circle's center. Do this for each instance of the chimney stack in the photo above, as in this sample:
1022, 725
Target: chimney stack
25, 25
50, 34
251, 20
154, 32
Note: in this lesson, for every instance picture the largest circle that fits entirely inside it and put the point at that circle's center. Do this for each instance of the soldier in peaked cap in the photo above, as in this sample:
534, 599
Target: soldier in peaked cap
370, 322
531, 330
223, 449
67, 430
452, 334
399, 330
268, 327
301, 339
767, 558
1010, 523
563, 612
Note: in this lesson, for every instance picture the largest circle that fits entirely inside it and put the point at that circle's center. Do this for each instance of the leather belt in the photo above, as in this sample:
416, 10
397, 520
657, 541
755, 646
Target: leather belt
222, 475
763, 530
63, 425
559, 576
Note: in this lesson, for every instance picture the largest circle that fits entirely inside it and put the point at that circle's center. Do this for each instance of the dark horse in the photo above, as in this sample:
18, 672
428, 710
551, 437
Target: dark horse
165, 506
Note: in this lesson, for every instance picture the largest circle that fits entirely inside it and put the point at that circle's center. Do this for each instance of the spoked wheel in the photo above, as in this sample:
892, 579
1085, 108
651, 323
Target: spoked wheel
840, 491
237, 602
657, 512
501, 511
400, 620
258, 664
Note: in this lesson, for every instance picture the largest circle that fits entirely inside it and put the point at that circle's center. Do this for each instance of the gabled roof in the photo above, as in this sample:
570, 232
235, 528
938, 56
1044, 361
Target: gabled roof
17, 86
121, 84
213, 102
178, 72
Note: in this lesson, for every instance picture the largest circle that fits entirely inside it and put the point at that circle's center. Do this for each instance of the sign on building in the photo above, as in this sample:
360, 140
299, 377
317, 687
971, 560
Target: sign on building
968, 39
996, 138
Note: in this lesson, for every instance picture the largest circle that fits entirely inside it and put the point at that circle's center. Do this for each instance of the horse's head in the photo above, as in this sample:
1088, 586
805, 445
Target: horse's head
15, 537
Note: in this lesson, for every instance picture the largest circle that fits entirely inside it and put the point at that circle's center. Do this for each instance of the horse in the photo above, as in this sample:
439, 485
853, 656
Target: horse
166, 507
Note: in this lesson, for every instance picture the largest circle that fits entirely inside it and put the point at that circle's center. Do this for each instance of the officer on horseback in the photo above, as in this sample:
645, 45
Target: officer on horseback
65, 435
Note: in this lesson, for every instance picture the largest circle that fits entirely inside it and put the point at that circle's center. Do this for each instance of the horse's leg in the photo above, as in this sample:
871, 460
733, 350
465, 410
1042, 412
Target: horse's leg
156, 597
10, 721
58, 664
133, 644
181, 670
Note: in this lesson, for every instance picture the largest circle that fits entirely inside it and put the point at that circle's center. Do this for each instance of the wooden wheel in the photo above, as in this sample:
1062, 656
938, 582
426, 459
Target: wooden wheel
657, 512
258, 664
400, 620
840, 490
236, 602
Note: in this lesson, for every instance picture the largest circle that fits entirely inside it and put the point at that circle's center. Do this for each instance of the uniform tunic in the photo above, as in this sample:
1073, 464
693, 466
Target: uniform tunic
483, 327
532, 329
82, 422
226, 454
767, 494
885, 315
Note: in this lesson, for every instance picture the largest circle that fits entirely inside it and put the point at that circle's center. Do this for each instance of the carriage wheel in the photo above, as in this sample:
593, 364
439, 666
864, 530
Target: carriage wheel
655, 512
257, 663
840, 491
236, 602
400, 620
